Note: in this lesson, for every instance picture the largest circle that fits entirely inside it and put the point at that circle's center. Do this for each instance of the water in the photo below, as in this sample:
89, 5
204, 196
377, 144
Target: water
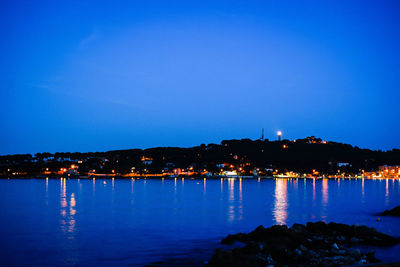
135, 222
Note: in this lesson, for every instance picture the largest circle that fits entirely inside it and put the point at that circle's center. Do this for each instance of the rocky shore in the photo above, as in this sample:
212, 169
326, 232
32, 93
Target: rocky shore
393, 212
313, 244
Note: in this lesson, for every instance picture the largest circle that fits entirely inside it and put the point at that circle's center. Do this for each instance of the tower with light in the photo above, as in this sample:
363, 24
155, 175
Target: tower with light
279, 133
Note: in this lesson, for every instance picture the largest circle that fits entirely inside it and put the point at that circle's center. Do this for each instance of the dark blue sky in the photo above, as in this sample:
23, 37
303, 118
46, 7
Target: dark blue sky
102, 75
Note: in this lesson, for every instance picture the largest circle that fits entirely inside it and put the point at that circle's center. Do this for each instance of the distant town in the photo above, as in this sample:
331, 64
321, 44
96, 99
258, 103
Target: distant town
309, 157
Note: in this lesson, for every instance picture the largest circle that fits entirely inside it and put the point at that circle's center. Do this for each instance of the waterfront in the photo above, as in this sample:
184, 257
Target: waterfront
140, 221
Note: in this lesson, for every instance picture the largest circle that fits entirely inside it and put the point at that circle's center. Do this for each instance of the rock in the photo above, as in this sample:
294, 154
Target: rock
370, 257
341, 238
262, 257
230, 239
338, 258
369, 236
318, 227
350, 260
340, 228
298, 252
363, 261
298, 227
315, 244
318, 238
393, 212
355, 253
313, 254
251, 248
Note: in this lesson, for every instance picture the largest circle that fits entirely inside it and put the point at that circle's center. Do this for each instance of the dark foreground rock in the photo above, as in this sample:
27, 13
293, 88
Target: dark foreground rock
313, 244
393, 212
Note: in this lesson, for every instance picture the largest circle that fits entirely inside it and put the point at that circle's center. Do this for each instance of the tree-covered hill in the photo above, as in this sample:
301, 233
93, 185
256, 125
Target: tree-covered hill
302, 155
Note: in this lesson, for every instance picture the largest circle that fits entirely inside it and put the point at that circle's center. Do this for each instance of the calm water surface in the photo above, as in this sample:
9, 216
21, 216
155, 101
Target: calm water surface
96, 222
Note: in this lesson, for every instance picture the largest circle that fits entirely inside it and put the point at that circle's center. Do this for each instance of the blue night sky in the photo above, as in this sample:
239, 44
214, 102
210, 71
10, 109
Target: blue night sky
102, 75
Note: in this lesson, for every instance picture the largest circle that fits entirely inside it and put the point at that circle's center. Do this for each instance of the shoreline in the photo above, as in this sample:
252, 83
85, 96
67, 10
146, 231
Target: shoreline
156, 177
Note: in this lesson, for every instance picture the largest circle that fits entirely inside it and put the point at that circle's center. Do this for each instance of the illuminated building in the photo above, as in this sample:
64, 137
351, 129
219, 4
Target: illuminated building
146, 160
230, 173
384, 171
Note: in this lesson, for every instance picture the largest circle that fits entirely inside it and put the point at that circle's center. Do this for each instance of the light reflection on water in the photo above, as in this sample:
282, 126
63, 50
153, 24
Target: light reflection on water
281, 203
324, 198
240, 199
231, 212
387, 191
314, 192
137, 221
362, 190
235, 208
67, 211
